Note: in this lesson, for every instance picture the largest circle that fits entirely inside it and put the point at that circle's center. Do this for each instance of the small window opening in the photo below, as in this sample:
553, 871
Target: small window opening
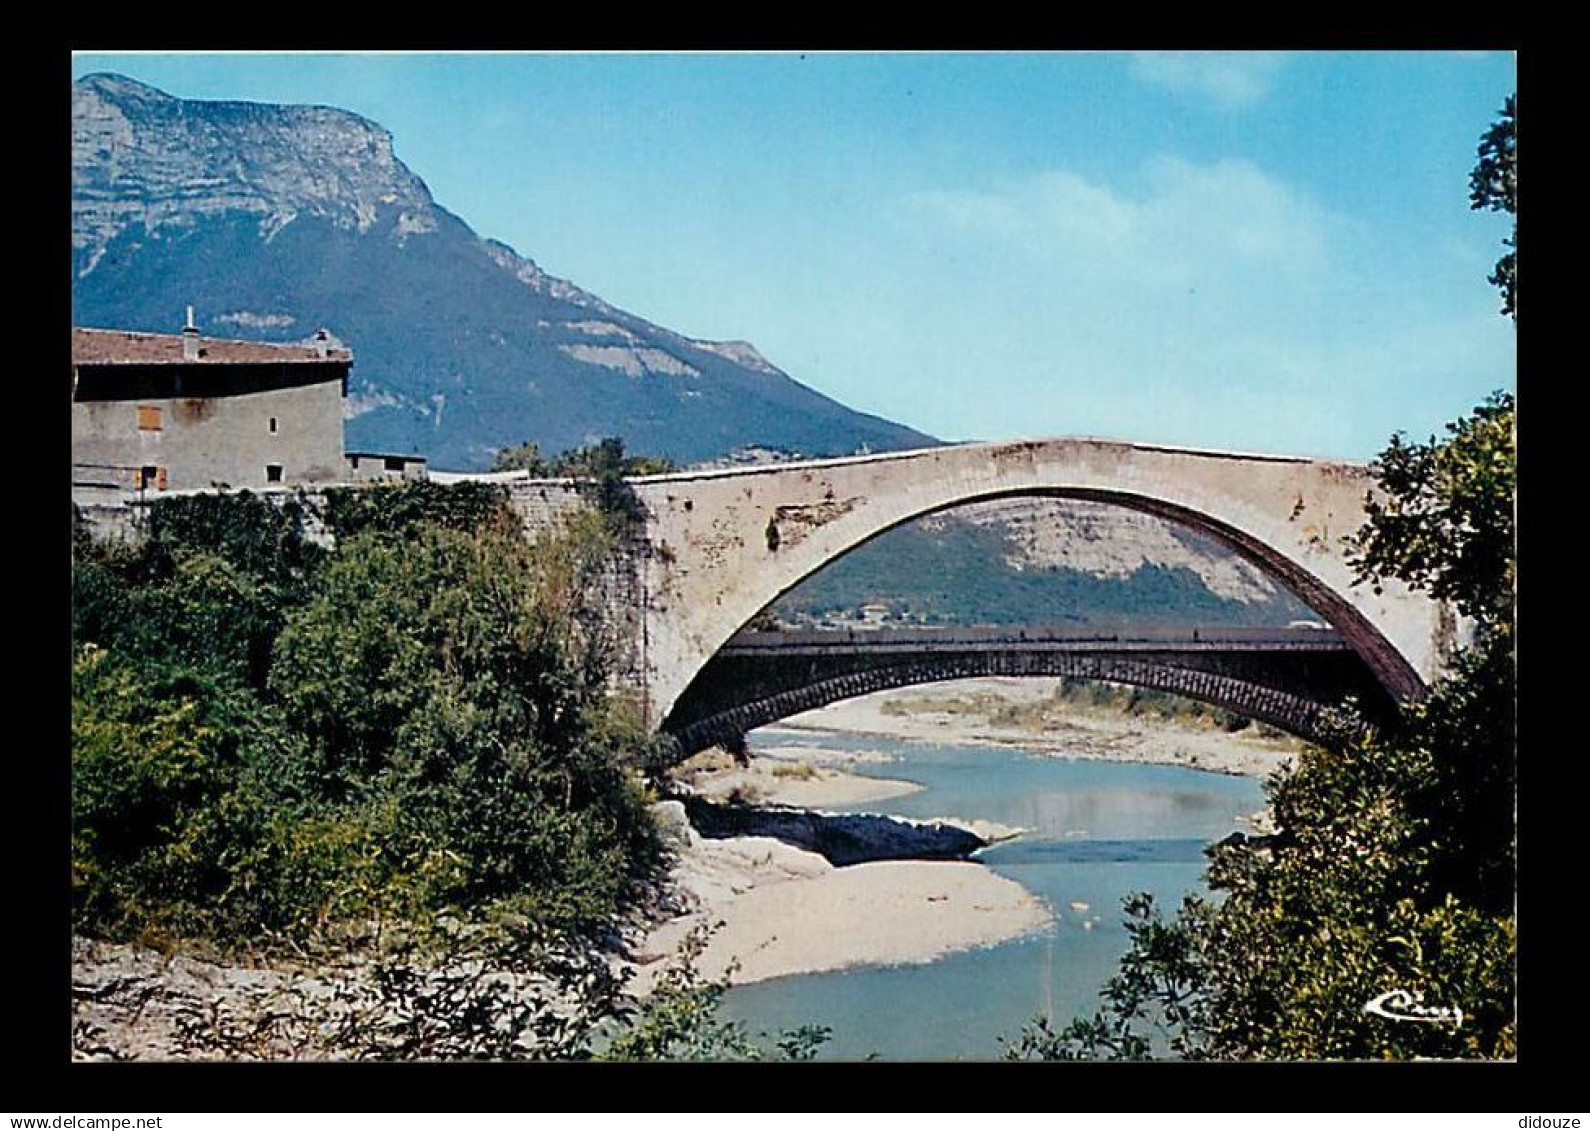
273, 473
147, 476
273, 426
148, 418
394, 463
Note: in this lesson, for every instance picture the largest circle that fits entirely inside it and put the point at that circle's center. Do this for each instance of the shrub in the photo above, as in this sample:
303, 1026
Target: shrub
170, 814
393, 508
272, 741
457, 672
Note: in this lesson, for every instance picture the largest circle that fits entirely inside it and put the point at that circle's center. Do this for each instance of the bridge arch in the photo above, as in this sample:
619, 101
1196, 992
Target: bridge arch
726, 701
1392, 671
725, 545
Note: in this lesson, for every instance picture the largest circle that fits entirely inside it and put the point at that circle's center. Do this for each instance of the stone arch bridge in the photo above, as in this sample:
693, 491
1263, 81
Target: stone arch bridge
716, 547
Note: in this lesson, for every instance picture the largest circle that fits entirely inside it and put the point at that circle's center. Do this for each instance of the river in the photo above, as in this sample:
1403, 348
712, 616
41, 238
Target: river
1098, 831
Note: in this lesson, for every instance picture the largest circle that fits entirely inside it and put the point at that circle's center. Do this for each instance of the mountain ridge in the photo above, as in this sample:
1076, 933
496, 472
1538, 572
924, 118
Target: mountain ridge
280, 219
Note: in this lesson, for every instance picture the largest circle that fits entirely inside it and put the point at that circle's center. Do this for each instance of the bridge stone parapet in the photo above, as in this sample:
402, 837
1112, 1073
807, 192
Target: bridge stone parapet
541, 503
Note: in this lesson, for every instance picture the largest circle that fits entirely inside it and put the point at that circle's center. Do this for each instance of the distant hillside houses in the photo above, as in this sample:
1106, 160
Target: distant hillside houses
176, 412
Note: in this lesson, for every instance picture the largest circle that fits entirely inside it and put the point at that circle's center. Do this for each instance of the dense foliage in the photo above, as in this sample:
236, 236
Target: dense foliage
1444, 522
443, 670
467, 506
272, 740
1392, 870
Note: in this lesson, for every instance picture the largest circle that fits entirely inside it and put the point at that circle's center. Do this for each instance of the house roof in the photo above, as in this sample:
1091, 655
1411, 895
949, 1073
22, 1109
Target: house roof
128, 347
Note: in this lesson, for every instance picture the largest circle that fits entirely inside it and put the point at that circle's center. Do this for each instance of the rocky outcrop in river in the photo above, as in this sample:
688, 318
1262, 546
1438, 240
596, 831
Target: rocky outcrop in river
840, 838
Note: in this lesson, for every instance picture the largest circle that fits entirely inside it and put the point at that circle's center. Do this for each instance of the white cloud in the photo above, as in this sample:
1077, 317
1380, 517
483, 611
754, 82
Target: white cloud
1185, 223
1211, 303
1228, 79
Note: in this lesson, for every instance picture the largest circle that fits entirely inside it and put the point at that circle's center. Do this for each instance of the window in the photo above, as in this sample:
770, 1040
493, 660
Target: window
273, 473
273, 426
394, 463
151, 476
148, 418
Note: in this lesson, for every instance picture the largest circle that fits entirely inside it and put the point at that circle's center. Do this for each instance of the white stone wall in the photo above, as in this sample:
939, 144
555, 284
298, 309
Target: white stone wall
204, 441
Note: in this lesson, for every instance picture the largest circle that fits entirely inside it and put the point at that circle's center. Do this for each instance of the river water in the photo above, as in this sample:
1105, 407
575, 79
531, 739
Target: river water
1099, 830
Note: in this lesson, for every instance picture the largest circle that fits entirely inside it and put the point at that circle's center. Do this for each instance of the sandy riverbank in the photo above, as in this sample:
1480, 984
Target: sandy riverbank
802, 776
975, 712
775, 910
785, 911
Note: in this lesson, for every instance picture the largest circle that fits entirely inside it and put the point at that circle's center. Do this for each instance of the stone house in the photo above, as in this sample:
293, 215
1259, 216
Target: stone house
364, 466
171, 412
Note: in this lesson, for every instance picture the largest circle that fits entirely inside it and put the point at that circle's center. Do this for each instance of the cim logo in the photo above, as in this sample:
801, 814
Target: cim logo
1401, 1005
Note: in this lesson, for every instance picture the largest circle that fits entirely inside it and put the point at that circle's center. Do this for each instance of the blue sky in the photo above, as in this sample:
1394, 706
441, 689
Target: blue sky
1256, 251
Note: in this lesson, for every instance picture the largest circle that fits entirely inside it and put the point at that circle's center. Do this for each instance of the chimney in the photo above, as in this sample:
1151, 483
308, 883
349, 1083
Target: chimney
190, 339
322, 342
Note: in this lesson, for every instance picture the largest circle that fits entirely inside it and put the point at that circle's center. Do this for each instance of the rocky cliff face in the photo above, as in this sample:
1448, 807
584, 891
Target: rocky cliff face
1110, 541
146, 162
275, 220
1040, 561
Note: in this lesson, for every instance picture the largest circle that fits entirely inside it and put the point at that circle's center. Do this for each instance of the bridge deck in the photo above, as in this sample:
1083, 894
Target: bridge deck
1060, 638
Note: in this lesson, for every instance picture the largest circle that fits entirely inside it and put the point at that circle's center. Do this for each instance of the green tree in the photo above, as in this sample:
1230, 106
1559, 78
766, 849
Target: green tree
601, 470
171, 816
459, 673
1493, 185
1343, 904
522, 457
275, 741
606, 459
1443, 519
594, 461
208, 584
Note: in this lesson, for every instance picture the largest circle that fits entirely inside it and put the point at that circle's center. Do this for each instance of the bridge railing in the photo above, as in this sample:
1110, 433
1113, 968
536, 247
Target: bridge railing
1041, 636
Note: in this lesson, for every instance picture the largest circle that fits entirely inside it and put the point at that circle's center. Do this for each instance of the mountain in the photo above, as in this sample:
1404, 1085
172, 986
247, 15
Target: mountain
274, 221
1040, 561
